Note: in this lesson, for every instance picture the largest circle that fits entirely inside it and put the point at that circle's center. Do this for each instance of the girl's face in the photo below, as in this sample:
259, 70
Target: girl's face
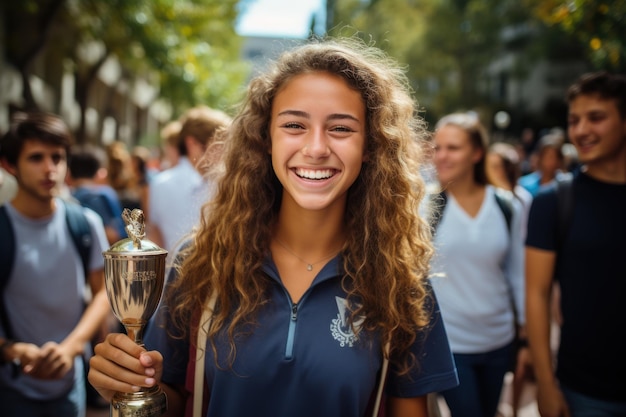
495, 171
455, 156
318, 140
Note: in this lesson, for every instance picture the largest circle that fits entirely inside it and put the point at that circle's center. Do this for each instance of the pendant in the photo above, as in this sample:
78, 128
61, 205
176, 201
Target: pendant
309, 267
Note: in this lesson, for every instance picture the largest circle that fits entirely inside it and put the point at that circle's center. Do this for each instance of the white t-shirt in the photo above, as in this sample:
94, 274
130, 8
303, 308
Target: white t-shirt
176, 198
478, 268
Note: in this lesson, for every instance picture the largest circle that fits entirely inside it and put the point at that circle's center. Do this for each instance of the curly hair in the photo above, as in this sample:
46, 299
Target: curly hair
387, 254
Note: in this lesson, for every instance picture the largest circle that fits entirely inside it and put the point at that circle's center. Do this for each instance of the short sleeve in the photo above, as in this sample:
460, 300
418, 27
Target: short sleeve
542, 220
435, 370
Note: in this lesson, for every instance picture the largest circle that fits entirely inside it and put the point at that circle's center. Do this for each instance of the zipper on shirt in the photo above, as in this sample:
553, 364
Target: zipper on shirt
291, 333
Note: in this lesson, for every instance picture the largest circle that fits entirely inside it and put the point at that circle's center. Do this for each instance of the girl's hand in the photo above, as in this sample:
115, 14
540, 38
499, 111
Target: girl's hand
119, 364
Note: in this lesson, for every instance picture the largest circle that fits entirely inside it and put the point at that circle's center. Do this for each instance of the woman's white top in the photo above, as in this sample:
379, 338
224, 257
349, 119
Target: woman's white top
478, 274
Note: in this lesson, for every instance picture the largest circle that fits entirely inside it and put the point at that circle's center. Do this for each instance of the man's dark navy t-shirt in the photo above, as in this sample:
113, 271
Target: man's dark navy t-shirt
591, 270
103, 200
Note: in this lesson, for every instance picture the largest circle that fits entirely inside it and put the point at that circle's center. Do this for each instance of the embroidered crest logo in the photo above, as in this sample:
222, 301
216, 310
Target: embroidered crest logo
340, 327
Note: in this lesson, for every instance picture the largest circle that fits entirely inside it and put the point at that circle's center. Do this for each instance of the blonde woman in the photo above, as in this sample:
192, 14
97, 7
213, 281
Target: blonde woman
479, 263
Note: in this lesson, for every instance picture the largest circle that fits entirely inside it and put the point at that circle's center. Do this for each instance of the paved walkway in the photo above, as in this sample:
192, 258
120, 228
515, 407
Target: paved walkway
527, 407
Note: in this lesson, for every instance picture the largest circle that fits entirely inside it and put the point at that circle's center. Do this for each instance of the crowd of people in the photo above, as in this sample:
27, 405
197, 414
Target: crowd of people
313, 267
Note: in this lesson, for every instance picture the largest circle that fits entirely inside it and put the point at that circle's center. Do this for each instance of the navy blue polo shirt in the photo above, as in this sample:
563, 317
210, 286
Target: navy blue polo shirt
304, 360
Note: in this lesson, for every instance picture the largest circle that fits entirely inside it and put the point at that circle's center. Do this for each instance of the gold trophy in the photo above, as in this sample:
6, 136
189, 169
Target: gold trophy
134, 271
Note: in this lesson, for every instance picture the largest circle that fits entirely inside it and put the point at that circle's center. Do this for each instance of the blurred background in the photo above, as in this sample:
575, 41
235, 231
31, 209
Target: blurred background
121, 69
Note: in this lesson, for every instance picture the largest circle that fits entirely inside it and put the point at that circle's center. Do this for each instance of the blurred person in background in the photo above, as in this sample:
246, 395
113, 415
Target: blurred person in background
503, 171
549, 163
576, 238
46, 324
176, 195
87, 178
477, 270
170, 138
119, 168
138, 189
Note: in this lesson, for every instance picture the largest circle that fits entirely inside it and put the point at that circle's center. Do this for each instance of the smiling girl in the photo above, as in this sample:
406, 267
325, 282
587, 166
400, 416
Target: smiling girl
314, 250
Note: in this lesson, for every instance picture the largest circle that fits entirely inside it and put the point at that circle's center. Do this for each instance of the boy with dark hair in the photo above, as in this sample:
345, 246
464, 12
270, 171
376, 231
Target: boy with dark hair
583, 249
87, 178
46, 326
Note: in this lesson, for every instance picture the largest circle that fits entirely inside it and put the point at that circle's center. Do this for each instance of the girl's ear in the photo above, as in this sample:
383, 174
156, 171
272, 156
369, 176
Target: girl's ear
478, 155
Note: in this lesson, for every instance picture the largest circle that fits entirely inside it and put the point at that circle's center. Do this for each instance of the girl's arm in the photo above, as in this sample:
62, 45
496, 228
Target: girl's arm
407, 407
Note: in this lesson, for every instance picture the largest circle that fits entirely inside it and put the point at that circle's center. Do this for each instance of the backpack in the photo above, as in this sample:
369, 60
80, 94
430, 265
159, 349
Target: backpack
81, 236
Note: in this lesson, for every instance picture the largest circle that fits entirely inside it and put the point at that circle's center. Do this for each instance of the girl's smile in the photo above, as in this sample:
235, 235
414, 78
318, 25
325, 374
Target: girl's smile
318, 139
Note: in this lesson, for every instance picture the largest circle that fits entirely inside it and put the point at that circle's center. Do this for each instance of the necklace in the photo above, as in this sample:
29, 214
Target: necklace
309, 265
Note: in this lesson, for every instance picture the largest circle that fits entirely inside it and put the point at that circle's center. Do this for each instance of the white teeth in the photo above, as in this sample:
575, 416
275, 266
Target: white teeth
314, 174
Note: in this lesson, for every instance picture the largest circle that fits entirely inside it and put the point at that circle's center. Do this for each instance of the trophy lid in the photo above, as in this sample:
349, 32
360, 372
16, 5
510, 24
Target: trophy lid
127, 247
135, 244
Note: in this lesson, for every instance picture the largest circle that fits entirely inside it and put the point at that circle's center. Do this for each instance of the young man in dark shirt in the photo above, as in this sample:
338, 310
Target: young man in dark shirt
587, 261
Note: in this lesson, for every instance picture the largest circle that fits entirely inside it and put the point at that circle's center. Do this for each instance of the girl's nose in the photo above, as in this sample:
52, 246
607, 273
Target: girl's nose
316, 145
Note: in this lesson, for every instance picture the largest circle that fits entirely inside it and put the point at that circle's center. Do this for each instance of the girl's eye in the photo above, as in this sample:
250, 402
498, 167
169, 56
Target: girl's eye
342, 129
292, 125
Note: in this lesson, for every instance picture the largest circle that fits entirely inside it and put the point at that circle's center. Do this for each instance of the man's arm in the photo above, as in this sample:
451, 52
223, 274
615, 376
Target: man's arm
93, 317
539, 273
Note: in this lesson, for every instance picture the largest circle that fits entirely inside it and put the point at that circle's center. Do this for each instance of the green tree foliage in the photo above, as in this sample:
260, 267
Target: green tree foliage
599, 25
447, 44
187, 48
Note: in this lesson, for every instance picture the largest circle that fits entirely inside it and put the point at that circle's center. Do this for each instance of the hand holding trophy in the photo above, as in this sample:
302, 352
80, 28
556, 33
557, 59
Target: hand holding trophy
134, 270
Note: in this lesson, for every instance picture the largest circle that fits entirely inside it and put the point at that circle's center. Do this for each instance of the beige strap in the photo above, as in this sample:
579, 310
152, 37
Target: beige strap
383, 378
203, 331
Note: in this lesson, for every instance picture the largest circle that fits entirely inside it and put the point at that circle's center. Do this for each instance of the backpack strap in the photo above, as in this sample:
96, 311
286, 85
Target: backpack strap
7, 247
565, 207
504, 200
7, 251
81, 233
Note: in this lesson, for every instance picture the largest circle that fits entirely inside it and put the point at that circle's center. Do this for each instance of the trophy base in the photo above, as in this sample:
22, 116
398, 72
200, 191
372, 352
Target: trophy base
149, 403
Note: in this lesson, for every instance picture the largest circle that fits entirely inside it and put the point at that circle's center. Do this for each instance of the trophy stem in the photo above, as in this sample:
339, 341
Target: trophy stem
135, 333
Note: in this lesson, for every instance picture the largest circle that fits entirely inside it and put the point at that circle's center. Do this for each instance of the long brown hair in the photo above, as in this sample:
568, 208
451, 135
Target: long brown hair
387, 254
